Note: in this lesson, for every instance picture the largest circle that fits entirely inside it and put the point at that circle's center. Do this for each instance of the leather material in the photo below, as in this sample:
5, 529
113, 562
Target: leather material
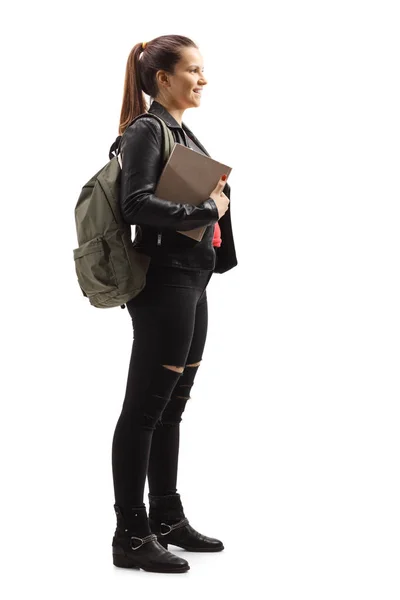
129, 551
188, 538
166, 513
151, 556
141, 151
142, 163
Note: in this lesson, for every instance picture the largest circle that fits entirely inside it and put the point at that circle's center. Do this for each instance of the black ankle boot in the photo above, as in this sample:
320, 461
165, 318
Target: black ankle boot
135, 547
167, 520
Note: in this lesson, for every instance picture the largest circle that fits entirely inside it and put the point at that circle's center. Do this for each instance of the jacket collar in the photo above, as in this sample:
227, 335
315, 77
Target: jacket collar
160, 110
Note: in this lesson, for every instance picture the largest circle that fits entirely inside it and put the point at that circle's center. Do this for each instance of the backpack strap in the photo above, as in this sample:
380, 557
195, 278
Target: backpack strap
114, 147
168, 138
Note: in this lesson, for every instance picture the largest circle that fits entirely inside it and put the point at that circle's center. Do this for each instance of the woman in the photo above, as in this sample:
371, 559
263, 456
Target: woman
169, 316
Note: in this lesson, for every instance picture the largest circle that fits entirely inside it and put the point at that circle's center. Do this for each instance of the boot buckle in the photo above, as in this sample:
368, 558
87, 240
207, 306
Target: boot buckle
144, 540
180, 523
165, 532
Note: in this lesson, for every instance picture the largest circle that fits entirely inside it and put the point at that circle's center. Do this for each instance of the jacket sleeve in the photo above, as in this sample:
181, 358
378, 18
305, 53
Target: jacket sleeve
141, 151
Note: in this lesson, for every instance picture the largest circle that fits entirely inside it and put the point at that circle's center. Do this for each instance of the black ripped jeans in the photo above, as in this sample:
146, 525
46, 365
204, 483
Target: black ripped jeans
169, 319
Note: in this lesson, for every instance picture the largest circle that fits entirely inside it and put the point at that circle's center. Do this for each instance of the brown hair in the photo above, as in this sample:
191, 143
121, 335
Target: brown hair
161, 53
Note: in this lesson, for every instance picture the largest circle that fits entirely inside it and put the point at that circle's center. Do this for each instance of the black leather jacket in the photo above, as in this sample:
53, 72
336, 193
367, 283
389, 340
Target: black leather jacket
157, 220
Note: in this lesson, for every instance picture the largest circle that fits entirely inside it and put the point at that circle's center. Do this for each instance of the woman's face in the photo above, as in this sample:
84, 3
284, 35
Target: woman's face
178, 89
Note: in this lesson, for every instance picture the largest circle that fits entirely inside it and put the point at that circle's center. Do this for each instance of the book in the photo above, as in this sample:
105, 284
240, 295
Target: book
189, 177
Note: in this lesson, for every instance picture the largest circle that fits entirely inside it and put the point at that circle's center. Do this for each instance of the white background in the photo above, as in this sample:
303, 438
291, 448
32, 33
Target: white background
290, 444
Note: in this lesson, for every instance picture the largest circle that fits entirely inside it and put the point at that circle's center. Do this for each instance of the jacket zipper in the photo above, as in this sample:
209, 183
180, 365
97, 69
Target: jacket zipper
159, 235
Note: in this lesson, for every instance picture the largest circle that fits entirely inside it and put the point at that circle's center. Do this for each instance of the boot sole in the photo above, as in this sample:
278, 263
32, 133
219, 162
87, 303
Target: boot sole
165, 545
201, 549
126, 563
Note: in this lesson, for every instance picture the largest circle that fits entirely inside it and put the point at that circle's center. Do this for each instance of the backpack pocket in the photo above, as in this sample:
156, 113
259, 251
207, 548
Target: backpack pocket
94, 268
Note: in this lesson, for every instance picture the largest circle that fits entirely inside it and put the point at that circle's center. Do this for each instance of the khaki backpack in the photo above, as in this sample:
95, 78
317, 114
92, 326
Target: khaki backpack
109, 269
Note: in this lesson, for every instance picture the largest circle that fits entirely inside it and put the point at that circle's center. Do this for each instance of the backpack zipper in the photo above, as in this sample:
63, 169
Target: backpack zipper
159, 235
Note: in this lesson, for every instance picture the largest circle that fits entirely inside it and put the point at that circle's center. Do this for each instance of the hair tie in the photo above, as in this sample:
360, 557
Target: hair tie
144, 45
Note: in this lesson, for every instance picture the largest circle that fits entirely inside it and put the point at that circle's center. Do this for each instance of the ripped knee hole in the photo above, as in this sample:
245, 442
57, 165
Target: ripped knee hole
172, 368
181, 369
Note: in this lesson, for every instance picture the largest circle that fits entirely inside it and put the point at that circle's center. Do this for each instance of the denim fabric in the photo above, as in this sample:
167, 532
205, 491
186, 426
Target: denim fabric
170, 320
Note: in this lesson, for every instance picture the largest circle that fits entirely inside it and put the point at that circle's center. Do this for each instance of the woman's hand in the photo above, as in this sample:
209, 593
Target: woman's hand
220, 199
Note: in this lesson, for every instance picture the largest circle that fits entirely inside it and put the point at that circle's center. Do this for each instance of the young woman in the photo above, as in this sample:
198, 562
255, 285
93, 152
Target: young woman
169, 316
